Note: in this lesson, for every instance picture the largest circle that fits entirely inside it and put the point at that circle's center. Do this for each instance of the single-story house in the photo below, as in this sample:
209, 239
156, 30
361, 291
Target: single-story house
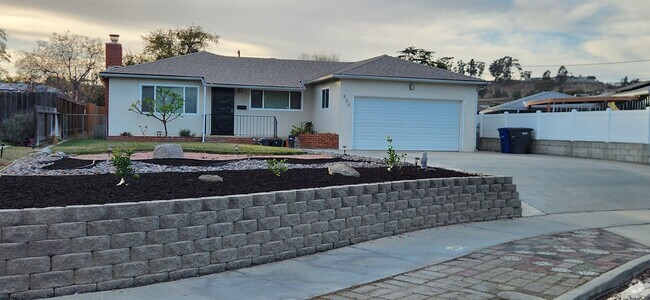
519, 105
420, 107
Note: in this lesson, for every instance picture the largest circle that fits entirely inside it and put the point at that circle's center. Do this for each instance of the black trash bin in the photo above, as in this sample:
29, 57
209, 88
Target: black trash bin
275, 142
292, 141
522, 140
504, 136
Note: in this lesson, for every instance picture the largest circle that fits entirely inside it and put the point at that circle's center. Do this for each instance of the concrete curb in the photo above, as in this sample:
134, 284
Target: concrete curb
609, 280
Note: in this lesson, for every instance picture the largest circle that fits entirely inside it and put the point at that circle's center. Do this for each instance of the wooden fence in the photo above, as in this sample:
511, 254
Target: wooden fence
18, 102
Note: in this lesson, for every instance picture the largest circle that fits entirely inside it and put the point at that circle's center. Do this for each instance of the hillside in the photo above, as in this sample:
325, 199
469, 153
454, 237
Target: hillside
518, 89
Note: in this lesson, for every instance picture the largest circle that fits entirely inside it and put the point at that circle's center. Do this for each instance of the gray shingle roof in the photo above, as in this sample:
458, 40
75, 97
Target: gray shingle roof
281, 73
388, 66
518, 104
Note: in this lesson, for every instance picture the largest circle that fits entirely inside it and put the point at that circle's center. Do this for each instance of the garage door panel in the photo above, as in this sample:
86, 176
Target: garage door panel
413, 124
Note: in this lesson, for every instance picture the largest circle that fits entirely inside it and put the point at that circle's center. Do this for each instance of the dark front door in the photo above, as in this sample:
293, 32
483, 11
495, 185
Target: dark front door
223, 107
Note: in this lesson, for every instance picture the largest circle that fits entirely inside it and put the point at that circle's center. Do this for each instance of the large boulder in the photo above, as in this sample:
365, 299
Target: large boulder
210, 178
342, 169
168, 151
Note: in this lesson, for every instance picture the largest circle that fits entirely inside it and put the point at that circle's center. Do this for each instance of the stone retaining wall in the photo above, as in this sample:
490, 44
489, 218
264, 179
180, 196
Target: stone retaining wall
77, 249
627, 152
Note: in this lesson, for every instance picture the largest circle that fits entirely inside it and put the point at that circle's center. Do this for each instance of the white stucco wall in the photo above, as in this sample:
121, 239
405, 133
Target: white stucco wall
466, 94
326, 120
123, 92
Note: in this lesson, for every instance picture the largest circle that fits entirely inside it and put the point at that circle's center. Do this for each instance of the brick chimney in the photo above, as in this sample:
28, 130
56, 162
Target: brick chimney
113, 52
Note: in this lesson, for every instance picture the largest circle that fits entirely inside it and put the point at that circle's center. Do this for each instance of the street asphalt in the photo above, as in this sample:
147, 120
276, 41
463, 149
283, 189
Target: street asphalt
561, 194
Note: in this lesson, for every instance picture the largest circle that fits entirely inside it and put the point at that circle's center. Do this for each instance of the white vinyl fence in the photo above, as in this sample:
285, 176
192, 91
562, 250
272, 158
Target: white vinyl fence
621, 126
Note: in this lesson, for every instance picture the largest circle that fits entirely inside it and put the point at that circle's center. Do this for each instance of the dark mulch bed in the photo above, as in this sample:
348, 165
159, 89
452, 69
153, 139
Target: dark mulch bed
46, 191
72, 163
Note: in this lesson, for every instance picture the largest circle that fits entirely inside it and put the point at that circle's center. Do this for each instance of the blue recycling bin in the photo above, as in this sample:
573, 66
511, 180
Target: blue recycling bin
504, 136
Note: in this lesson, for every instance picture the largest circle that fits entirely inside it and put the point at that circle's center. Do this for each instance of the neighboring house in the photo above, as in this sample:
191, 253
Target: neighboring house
519, 105
420, 107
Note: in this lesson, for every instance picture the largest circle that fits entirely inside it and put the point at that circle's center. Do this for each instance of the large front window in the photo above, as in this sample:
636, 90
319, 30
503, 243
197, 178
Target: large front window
189, 94
283, 100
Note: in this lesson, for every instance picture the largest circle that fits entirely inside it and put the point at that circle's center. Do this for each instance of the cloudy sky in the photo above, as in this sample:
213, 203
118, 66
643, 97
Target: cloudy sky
544, 32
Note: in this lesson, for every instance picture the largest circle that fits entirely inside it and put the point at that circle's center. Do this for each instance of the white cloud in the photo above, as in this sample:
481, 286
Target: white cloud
536, 32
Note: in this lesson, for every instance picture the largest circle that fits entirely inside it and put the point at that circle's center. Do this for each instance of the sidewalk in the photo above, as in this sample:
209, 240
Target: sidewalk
545, 267
435, 250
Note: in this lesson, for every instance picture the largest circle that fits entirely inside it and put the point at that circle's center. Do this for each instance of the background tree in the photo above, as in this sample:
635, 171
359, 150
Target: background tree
475, 68
167, 106
445, 63
525, 75
625, 81
165, 43
501, 69
67, 61
417, 55
460, 67
4, 55
562, 75
319, 56
547, 75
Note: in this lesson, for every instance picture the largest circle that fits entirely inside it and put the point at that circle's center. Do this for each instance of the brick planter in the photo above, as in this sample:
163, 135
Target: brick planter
56, 251
319, 141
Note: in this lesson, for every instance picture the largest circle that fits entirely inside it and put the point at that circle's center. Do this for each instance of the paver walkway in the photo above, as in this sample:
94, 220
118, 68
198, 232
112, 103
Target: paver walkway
545, 267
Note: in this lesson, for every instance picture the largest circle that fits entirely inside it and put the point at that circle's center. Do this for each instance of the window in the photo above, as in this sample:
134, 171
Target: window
283, 100
325, 98
189, 94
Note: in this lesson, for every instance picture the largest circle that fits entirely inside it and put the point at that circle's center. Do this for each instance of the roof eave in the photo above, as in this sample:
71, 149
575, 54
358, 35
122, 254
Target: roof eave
410, 79
149, 76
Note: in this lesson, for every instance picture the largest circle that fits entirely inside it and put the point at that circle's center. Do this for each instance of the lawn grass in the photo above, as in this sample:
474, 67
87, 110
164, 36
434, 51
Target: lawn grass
95, 146
13, 153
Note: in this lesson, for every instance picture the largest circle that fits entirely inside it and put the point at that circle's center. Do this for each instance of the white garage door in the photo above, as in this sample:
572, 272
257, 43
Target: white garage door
412, 124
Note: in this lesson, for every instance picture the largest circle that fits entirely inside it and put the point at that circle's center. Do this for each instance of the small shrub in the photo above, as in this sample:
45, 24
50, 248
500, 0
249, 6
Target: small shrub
121, 160
277, 167
186, 133
126, 133
393, 159
303, 127
17, 128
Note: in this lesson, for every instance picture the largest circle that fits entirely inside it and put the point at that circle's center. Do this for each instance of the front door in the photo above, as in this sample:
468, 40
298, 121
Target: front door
223, 107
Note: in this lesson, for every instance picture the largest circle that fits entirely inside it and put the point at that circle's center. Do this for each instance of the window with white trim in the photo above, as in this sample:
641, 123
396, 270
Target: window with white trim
190, 95
282, 100
325, 98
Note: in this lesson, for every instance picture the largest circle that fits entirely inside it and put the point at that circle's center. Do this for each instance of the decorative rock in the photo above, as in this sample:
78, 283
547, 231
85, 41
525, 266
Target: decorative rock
210, 178
168, 151
423, 160
61, 154
46, 151
342, 169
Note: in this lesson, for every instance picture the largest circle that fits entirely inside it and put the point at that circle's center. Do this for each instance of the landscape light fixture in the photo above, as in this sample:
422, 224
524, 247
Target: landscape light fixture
344, 147
2, 149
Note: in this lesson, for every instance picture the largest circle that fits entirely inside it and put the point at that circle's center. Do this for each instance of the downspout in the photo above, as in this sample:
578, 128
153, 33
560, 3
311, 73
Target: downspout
477, 124
204, 115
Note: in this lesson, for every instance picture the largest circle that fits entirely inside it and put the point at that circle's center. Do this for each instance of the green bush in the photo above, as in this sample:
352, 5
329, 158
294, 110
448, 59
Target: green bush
121, 160
303, 127
17, 128
277, 167
186, 133
393, 159
126, 133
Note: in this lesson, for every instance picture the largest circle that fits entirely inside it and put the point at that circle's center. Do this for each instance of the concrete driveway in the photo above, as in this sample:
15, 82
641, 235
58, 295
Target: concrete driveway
554, 184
